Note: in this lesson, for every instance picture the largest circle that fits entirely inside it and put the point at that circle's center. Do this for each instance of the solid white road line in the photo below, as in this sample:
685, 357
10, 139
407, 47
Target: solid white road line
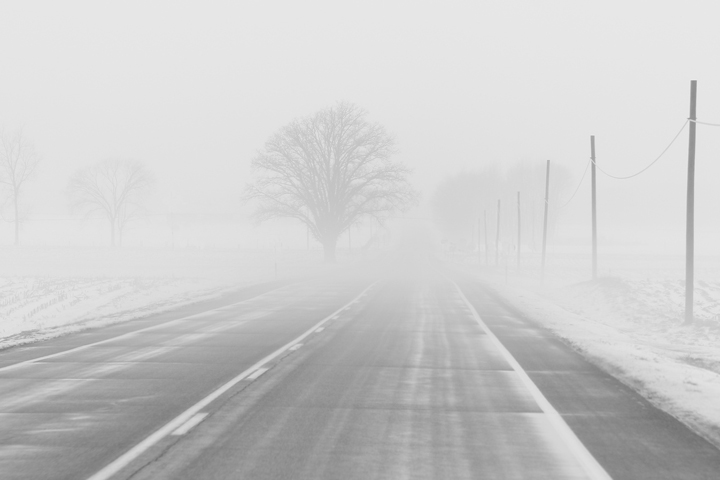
319, 329
125, 459
187, 426
129, 334
591, 466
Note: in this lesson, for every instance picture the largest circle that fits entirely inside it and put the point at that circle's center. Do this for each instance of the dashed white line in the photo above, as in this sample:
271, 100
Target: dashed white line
319, 329
187, 426
126, 458
257, 373
295, 347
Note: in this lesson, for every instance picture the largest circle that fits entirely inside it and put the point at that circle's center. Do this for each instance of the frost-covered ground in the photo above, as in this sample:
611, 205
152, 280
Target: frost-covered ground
630, 322
46, 292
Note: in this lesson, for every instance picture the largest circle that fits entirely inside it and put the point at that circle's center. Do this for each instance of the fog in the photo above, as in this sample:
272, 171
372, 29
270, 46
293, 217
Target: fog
392, 313
193, 91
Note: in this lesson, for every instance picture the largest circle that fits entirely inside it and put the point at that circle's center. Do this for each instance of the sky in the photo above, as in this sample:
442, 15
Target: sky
194, 89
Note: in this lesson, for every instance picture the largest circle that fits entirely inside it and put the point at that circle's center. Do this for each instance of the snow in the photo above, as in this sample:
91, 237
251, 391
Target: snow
630, 323
47, 292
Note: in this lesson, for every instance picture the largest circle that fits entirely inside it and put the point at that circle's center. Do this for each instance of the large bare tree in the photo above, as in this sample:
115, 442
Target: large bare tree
18, 162
329, 170
114, 188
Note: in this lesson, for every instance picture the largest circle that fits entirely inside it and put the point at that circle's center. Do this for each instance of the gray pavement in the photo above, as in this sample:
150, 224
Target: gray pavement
402, 383
70, 406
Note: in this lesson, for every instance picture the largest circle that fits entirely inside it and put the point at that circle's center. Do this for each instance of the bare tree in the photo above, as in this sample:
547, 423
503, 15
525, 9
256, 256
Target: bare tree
18, 162
113, 188
329, 170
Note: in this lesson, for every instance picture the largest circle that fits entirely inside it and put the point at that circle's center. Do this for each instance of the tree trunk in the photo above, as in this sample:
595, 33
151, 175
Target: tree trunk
17, 223
112, 232
329, 249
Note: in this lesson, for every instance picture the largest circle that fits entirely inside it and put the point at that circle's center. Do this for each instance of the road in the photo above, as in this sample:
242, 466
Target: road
410, 372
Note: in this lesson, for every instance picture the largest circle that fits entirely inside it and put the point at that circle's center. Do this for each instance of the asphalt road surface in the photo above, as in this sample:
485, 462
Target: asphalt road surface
408, 372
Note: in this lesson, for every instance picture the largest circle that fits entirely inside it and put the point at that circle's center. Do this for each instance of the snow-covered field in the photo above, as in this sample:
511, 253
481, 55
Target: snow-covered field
46, 292
630, 322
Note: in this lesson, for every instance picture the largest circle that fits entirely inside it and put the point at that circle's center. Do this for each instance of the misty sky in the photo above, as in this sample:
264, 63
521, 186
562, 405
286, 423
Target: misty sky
195, 88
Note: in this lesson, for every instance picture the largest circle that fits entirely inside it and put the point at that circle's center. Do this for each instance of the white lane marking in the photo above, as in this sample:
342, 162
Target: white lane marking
319, 329
125, 459
129, 334
576, 447
187, 426
257, 373
295, 347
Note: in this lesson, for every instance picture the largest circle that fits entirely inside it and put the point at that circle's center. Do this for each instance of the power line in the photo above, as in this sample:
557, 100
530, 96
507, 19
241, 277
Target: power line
652, 163
704, 123
587, 165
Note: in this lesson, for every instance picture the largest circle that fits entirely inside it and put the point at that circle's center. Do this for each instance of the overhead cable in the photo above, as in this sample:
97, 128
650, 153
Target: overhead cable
651, 163
576, 188
704, 123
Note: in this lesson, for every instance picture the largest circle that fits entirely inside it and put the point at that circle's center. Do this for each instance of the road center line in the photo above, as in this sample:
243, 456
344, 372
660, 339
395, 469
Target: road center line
125, 459
576, 447
129, 334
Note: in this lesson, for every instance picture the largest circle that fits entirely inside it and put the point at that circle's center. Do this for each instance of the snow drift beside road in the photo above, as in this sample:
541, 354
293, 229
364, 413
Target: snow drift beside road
46, 292
630, 323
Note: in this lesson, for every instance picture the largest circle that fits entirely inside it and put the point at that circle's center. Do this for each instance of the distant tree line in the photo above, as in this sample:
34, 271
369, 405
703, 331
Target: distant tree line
114, 189
330, 170
462, 200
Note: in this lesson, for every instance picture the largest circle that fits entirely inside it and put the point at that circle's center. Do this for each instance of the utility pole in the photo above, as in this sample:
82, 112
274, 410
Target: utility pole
545, 220
487, 253
690, 227
519, 225
497, 238
594, 210
479, 229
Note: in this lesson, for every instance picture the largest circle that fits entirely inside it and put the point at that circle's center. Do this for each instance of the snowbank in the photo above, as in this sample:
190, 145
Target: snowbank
46, 292
630, 323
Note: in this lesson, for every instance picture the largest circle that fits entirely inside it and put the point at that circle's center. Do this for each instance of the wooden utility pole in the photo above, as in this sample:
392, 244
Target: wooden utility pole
487, 253
690, 226
497, 238
545, 220
519, 225
594, 210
